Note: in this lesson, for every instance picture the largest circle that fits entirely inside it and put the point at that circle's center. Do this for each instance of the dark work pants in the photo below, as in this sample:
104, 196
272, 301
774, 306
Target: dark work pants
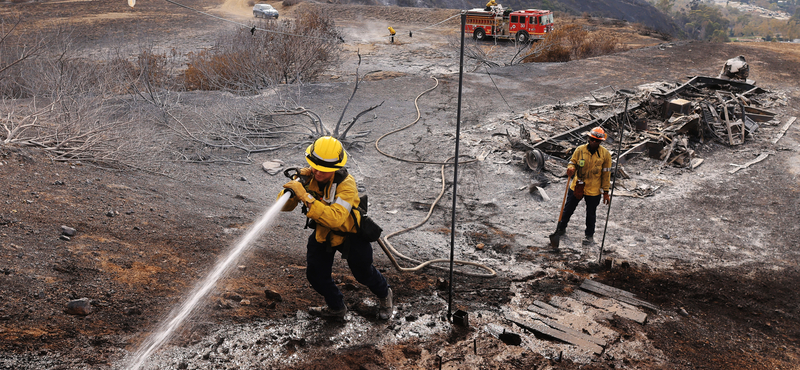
591, 211
319, 265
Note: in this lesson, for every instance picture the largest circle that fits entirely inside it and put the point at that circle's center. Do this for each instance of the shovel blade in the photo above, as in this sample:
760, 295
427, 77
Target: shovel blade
554, 240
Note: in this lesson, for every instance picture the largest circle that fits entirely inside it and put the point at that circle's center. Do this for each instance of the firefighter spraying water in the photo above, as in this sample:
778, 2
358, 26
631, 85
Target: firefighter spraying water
331, 203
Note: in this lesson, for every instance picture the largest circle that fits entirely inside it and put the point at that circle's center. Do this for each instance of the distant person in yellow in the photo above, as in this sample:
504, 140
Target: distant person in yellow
591, 165
489, 5
329, 197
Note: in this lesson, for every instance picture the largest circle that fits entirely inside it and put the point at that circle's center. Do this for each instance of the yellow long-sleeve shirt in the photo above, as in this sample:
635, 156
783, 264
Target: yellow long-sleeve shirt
593, 169
331, 209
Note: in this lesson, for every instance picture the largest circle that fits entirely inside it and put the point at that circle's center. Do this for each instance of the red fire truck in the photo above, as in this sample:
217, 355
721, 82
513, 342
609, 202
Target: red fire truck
520, 25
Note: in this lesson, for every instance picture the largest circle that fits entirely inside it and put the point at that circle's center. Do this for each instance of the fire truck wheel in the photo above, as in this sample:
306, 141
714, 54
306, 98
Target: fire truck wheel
522, 36
479, 34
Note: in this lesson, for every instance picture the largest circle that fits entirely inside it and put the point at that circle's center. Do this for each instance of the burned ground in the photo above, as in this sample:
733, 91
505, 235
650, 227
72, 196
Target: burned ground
715, 251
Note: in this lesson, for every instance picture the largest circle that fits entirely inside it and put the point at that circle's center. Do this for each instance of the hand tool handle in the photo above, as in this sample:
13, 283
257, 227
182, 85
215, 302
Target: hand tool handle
564, 201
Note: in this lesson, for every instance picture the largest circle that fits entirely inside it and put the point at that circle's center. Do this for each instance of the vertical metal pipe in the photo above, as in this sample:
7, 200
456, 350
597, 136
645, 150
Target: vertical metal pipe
455, 167
616, 166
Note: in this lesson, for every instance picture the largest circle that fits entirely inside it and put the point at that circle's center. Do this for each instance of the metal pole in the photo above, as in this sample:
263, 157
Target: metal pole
616, 166
455, 167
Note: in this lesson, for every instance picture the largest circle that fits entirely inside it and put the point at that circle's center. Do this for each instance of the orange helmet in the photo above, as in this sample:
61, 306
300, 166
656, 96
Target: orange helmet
598, 133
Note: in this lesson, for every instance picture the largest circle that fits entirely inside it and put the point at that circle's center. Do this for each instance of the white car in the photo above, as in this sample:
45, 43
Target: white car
264, 11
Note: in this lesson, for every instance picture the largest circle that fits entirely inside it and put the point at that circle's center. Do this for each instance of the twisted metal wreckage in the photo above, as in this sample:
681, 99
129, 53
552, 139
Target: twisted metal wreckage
665, 124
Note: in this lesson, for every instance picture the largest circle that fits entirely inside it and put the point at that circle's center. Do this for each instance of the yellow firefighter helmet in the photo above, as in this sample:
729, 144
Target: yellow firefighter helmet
326, 154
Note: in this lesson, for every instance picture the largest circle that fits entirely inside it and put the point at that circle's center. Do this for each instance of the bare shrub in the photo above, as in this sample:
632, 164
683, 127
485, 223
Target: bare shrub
240, 63
606, 44
63, 105
574, 36
154, 75
231, 129
550, 53
154, 68
57, 72
200, 68
120, 74
124, 112
474, 50
481, 53
127, 112
15, 49
291, 2
74, 127
614, 22
597, 44
278, 52
550, 49
571, 42
642, 29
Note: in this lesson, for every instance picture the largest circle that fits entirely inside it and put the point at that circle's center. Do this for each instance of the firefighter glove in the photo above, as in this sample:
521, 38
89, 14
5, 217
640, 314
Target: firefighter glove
606, 198
296, 188
570, 171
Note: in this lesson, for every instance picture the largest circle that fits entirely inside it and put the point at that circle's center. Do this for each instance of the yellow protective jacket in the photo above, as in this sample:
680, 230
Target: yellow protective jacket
331, 209
593, 169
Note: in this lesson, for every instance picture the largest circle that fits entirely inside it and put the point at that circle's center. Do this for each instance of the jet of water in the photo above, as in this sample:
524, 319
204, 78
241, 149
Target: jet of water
179, 315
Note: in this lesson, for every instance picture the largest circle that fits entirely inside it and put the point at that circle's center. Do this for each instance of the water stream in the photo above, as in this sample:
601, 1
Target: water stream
167, 328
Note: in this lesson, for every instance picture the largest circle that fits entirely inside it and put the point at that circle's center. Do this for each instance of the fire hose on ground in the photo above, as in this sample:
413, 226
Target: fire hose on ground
387, 247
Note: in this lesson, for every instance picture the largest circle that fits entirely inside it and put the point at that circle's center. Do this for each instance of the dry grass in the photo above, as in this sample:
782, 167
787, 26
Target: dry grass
628, 35
581, 37
571, 42
788, 49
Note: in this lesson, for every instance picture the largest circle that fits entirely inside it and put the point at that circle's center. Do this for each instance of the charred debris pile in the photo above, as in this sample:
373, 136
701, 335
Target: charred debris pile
666, 122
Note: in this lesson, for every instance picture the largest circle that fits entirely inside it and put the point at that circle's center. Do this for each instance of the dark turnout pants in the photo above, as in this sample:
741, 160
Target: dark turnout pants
319, 265
591, 211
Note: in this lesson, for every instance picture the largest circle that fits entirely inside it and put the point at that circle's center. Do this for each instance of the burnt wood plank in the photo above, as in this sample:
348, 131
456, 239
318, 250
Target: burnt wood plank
612, 306
569, 330
615, 293
633, 152
547, 310
547, 306
609, 288
541, 328
544, 312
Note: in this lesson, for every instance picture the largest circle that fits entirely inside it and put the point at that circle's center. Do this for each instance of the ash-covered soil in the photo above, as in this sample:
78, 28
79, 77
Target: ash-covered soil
715, 251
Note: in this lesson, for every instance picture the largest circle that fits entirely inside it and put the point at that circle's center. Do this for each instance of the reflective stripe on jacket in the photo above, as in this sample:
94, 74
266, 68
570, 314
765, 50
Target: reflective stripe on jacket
596, 170
331, 209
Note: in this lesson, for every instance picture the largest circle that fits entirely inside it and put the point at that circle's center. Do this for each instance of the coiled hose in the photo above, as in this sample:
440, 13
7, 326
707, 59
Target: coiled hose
384, 241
